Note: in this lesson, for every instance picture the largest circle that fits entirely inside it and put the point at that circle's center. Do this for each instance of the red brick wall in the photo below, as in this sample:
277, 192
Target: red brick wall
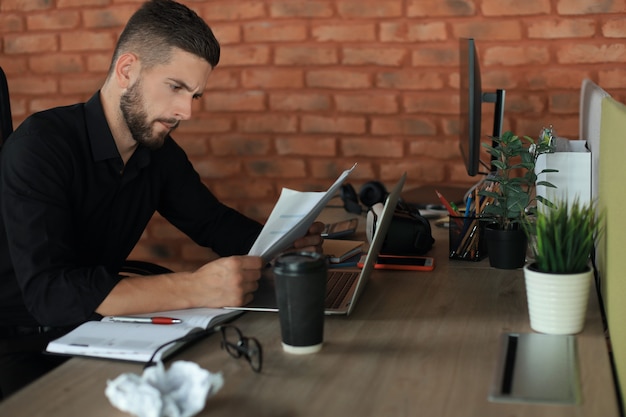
306, 88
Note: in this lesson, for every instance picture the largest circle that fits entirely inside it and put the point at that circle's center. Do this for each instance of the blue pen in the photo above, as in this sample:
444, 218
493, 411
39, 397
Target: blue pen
468, 205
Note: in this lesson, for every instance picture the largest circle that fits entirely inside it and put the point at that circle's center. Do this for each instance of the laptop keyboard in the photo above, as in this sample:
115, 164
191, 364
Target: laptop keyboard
338, 285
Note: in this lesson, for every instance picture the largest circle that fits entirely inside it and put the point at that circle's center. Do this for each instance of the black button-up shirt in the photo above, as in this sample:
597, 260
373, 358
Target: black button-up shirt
71, 213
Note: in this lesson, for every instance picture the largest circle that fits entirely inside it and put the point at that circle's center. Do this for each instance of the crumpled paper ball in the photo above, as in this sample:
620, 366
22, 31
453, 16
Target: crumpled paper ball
181, 391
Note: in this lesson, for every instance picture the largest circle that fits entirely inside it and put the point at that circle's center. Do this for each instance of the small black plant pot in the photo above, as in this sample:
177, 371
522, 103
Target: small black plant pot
507, 248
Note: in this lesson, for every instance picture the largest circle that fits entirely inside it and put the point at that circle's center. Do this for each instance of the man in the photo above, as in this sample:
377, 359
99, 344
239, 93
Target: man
78, 185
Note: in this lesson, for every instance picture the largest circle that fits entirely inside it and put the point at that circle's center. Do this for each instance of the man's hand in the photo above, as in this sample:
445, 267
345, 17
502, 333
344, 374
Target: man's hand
313, 240
223, 282
229, 281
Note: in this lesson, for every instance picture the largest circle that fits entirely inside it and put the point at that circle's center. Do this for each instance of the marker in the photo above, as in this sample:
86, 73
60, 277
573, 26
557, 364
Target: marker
152, 320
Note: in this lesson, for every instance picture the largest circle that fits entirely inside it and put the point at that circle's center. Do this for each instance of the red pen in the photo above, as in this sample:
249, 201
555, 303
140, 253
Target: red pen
152, 320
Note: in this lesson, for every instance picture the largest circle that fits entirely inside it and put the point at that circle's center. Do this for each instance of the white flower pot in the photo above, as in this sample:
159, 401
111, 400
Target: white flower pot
557, 303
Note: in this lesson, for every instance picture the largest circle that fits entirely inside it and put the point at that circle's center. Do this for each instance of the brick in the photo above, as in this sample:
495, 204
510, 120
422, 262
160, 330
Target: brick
429, 57
86, 85
56, 63
243, 189
611, 78
281, 168
293, 101
587, 53
431, 102
564, 102
430, 8
374, 56
307, 9
338, 79
378, 147
87, 41
216, 168
25, 5
99, 62
441, 148
232, 10
212, 124
516, 55
30, 43
236, 145
426, 170
515, 7
555, 77
373, 103
488, 30
413, 32
412, 126
371, 8
267, 123
329, 124
244, 55
53, 101
11, 23
111, 17
615, 28
249, 100
344, 32
62, 4
307, 146
53, 20
525, 103
573, 7
561, 28
268, 31
272, 78
192, 144
305, 55
226, 33
331, 169
33, 85
409, 80
223, 78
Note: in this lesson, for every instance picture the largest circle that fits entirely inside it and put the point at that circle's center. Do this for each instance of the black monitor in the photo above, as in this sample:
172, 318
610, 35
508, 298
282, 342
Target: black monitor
471, 99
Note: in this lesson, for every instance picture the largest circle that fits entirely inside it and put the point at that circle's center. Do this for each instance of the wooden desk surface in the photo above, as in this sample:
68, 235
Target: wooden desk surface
417, 344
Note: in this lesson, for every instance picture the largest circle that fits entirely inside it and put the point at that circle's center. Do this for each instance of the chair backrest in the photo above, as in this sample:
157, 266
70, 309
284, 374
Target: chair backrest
6, 122
611, 261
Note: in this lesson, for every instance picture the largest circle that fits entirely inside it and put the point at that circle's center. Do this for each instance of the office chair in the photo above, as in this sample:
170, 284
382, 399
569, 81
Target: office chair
6, 124
6, 128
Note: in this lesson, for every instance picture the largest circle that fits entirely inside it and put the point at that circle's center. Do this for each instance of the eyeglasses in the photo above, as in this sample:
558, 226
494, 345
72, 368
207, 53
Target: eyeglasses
237, 345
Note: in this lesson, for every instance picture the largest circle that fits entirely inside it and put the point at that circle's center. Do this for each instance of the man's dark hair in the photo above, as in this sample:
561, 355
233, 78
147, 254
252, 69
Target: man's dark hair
161, 25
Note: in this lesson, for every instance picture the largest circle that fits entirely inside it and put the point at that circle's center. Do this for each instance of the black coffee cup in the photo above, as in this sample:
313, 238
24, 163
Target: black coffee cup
301, 292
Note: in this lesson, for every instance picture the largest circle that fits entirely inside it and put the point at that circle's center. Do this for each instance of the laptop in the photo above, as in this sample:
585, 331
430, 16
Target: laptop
344, 285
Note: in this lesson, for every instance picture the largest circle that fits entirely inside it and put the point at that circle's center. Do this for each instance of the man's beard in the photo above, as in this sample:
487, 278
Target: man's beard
131, 105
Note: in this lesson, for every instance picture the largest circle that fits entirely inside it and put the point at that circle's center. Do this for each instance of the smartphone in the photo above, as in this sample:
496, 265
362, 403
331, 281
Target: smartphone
403, 263
340, 229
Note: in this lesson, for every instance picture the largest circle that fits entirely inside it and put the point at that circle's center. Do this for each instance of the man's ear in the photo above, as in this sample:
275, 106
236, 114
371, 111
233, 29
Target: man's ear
126, 69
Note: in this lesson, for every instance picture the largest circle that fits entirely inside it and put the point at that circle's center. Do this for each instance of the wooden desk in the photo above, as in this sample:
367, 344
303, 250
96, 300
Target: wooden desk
417, 344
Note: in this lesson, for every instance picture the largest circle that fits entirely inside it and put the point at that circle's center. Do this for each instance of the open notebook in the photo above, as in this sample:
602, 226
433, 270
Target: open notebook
344, 285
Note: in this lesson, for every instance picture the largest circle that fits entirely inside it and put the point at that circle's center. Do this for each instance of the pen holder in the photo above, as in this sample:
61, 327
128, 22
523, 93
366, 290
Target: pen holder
467, 238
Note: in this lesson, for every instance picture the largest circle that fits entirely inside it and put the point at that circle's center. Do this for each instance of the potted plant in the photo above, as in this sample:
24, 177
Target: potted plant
558, 280
510, 193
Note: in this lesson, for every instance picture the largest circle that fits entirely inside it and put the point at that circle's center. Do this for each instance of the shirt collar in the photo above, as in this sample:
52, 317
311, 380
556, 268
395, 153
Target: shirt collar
101, 139
98, 131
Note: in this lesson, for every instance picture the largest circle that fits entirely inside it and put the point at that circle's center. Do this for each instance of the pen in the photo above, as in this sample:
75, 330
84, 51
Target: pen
448, 207
153, 320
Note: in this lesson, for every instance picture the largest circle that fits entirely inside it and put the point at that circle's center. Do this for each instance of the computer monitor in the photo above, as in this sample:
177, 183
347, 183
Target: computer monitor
471, 98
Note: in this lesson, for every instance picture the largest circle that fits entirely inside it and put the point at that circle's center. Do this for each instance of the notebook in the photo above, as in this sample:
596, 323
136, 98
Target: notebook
344, 285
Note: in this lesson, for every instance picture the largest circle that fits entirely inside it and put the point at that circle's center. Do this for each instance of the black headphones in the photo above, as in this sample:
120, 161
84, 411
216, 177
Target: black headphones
370, 193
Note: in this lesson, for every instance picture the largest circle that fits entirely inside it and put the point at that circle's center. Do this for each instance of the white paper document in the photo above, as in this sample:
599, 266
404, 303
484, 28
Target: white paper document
293, 214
